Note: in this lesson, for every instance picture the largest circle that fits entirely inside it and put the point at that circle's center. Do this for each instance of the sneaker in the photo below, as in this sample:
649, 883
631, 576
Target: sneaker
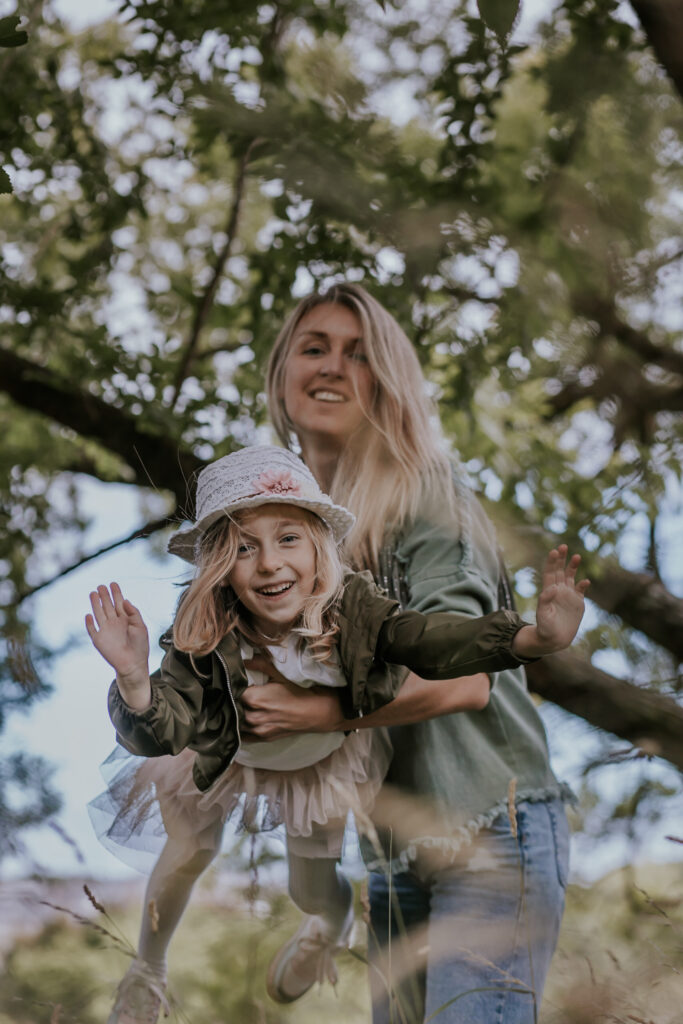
308, 957
140, 996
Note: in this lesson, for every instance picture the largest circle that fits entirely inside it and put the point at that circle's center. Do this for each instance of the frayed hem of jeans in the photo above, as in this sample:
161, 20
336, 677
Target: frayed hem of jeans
450, 846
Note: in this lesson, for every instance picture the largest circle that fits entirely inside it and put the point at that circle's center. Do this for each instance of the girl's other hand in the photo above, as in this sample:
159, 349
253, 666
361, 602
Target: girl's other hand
560, 608
118, 632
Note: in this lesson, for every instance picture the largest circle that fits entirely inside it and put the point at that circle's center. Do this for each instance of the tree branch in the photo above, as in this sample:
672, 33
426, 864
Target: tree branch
667, 358
622, 377
611, 324
644, 603
206, 302
155, 460
662, 22
80, 463
639, 397
647, 720
214, 350
144, 531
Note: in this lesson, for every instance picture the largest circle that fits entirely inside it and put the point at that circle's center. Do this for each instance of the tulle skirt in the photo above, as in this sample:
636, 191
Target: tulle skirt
150, 800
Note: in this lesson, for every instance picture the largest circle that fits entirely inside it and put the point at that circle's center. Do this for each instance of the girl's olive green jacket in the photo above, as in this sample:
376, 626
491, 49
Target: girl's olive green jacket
200, 706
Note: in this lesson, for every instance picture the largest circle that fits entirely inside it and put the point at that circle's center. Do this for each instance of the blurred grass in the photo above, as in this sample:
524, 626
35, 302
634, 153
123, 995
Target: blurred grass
620, 956
620, 959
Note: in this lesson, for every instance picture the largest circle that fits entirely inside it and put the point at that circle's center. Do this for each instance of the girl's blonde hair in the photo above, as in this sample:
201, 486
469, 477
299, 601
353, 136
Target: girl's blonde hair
396, 462
209, 608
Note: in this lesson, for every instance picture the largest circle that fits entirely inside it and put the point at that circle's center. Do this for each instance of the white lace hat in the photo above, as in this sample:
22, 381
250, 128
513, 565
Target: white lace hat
260, 475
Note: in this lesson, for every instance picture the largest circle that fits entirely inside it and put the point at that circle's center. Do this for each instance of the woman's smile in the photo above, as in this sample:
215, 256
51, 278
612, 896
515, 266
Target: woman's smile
328, 396
328, 386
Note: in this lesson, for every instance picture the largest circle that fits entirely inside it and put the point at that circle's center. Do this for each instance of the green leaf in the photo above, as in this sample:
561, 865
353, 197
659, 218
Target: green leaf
8, 32
5, 183
499, 15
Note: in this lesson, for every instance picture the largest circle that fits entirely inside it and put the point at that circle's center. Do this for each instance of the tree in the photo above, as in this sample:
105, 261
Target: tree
10, 37
207, 160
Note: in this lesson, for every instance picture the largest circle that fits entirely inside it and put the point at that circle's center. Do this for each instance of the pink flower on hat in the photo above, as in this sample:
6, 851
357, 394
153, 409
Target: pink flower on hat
276, 481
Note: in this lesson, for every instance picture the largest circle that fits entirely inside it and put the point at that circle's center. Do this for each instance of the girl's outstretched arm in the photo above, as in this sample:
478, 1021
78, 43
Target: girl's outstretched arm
118, 632
560, 608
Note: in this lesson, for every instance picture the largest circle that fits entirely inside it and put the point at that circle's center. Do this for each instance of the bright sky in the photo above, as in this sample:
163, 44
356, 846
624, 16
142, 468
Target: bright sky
71, 728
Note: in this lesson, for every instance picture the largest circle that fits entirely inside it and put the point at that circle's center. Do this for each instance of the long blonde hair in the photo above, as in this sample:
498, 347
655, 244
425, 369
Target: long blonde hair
209, 608
397, 462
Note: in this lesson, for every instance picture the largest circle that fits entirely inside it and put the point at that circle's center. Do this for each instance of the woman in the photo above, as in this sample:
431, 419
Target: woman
471, 822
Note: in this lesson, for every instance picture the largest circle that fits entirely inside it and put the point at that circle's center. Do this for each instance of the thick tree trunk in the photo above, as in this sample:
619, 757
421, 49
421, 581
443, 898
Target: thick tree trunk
662, 22
647, 720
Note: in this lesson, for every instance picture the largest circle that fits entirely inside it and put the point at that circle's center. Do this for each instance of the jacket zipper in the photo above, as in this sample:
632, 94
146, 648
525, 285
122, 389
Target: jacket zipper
232, 699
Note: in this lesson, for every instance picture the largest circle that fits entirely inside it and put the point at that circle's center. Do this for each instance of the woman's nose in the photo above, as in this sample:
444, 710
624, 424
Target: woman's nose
332, 365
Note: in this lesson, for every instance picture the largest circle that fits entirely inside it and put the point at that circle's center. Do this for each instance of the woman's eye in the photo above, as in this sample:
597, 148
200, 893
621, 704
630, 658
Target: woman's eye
289, 538
312, 350
359, 356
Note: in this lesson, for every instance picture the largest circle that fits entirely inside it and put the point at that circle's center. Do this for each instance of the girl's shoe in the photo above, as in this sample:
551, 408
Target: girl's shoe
140, 996
308, 957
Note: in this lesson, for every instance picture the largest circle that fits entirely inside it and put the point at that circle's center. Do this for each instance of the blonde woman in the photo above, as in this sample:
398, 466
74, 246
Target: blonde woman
477, 902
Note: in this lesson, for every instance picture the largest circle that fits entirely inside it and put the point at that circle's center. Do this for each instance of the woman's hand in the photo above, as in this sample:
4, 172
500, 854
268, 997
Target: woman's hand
560, 608
118, 632
280, 708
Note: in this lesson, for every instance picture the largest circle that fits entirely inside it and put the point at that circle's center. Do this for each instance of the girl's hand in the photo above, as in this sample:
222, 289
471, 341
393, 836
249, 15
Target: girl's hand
118, 632
560, 608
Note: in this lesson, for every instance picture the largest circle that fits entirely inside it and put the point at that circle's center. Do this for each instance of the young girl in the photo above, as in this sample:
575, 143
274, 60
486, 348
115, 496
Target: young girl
269, 577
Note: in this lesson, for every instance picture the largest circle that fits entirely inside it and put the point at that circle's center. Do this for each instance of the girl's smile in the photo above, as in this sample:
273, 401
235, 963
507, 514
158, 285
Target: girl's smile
275, 571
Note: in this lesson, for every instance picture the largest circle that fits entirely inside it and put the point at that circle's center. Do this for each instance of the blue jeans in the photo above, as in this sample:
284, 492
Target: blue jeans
478, 935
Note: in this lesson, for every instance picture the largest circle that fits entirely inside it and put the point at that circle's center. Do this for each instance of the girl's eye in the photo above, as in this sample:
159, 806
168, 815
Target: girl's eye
245, 549
289, 538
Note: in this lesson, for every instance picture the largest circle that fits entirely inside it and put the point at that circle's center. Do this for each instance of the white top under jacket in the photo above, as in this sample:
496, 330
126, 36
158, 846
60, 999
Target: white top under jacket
292, 752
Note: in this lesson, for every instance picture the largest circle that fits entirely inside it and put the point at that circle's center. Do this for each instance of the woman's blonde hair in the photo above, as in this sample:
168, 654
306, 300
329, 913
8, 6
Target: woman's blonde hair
209, 607
396, 462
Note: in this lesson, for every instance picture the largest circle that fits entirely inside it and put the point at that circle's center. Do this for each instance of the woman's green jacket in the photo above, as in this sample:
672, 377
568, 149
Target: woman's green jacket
199, 705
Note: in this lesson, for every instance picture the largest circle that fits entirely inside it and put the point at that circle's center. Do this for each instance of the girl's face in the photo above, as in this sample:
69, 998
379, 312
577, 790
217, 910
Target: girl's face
275, 570
327, 381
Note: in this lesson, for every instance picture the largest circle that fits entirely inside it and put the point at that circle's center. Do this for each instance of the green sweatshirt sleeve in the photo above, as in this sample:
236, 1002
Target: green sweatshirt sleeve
442, 645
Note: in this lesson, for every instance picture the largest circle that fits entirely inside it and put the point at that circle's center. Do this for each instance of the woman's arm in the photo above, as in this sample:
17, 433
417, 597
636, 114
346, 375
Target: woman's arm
281, 709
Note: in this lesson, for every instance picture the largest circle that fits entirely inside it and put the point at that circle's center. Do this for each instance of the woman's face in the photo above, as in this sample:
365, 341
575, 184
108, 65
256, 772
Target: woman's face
327, 380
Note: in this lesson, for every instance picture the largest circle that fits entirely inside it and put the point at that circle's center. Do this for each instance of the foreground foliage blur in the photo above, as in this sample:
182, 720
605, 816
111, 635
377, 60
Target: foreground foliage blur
618, 960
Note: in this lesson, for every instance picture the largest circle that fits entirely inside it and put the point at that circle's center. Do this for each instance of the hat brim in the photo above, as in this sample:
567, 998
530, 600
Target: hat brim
185, 543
